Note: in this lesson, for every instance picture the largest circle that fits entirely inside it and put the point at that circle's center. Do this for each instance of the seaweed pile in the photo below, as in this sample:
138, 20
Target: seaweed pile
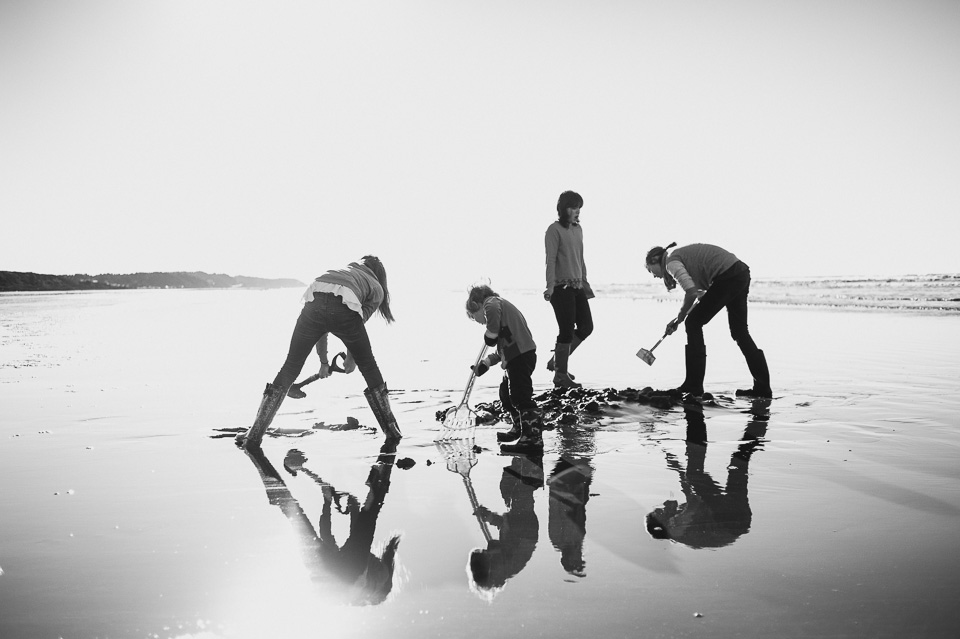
565, 406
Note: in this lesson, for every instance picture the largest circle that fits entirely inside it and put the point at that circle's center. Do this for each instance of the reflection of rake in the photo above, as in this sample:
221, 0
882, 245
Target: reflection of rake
461, 422
461, 457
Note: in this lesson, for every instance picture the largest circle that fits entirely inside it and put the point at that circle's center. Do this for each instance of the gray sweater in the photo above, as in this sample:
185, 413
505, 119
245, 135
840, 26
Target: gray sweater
565, 265
696, 265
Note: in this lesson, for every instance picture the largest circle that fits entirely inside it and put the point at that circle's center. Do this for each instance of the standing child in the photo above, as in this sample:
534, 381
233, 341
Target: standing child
567, 288
507, 330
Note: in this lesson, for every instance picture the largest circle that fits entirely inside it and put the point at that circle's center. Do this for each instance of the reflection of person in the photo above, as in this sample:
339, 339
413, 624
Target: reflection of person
368, 577
503, 558
338, 302
567, 287
569, 491
719, 280
712, 516
569, 485
507, 330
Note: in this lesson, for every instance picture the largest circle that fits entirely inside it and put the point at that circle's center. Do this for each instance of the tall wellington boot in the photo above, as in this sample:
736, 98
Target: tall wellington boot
551, 365
380, 405
757, 363
531, 438
515, 430
269, 404
696, 365
561, 379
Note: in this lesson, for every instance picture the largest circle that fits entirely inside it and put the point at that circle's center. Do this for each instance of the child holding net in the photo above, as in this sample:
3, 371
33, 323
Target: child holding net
517, 354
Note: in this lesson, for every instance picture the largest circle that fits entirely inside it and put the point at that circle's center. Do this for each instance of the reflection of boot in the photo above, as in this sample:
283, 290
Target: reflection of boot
696, 364
551, 365
757, 363
380, 405
379, 478
531, 440
515, 431
272, 398
561, 379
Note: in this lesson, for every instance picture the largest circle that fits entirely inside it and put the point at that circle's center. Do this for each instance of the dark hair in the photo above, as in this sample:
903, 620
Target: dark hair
378, 574
373, 263
487, 569
477, 295
568, 200
658, 255
656, 528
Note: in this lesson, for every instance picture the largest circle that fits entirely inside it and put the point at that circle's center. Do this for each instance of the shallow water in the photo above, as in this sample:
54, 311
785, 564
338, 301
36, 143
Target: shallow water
830, 511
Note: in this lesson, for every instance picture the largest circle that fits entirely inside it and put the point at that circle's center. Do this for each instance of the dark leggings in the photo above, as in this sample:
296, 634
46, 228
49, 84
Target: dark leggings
516, 389
730, 290
328, 314
572, 310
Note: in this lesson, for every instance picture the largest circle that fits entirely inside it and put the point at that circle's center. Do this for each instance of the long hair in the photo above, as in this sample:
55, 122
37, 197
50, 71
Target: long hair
568, 200
373, 263
658, 255
477, 295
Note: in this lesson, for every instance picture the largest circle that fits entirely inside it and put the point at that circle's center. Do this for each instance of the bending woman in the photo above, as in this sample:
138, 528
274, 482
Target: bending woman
719, 280
338, 302
567, 287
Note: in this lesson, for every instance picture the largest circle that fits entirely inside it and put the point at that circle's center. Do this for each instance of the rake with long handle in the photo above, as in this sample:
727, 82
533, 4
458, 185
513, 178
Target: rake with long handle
461, 422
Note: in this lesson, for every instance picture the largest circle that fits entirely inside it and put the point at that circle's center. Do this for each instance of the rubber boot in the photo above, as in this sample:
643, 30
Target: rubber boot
515, 430
269, 404
380, 405
531, 438
757, 363
696, 365
561, 379
573, 346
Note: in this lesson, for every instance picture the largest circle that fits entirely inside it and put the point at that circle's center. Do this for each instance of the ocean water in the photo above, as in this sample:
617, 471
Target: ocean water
831, 510
927, 293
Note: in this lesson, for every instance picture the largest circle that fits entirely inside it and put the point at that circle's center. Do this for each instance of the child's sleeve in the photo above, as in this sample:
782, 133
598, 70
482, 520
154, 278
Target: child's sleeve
493, 311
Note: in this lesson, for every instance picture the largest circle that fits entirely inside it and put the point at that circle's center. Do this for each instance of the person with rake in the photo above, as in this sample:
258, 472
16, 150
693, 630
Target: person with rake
339, 302
567, 288
517, 354
719, 280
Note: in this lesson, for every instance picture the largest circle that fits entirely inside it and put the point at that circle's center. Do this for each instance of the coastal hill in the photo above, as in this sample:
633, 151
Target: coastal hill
14, 281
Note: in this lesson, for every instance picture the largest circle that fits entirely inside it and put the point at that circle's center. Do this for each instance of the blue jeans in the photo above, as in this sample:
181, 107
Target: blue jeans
328, 314
572, 309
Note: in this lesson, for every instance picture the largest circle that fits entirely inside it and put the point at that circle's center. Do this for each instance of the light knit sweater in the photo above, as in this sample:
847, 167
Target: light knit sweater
565, 265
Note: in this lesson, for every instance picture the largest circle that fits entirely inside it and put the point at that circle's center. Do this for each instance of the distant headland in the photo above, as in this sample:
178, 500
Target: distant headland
11, 281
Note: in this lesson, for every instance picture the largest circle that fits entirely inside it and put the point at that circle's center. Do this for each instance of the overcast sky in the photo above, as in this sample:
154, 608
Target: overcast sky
280, 139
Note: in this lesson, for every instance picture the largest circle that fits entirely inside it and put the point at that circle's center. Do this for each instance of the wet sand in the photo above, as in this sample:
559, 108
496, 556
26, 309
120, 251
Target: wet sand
830, 511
